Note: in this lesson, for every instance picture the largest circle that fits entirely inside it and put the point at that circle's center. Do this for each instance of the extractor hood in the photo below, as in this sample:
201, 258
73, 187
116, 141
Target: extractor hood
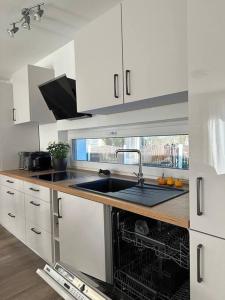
60, 96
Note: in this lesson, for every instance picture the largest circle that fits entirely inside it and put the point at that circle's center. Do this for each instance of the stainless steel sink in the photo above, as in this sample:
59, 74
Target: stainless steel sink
147, 194
107, 185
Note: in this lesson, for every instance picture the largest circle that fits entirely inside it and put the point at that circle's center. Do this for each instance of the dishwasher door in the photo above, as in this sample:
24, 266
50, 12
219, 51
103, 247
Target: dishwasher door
70, 285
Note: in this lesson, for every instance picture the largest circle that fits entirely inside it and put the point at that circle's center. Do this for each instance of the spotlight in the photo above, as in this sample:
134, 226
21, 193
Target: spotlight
12, 31
26, 18
38, 14
35, 12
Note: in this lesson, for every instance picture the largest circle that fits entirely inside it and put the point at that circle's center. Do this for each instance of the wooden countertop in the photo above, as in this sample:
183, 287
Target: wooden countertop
175, 211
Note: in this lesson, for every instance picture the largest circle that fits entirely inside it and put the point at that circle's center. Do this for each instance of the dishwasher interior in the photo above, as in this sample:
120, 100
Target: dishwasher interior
151, 258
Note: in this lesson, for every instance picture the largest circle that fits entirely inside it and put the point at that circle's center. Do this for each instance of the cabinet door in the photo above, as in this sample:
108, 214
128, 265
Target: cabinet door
154, 48
13, 212
1, 205
207, 115
21, 101
39, 241
29, 105
8, 204
207, 267
39, 110
82, 235
19, 230
98, 53
38, 212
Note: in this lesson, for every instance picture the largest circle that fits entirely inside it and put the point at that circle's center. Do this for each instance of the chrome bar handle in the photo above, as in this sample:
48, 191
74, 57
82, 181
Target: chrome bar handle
199, 195
14, 114
9, 181
59, 216
199, 277
34, 190
11, 215
35, 204
116, 86
10, 193
128, 92
35, 231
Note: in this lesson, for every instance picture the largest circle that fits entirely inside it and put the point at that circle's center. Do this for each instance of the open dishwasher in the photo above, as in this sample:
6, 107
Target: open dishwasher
151, 258
150, 262
71, 285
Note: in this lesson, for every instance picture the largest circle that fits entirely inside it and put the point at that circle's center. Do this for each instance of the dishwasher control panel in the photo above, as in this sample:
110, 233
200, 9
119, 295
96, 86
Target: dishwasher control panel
73, 284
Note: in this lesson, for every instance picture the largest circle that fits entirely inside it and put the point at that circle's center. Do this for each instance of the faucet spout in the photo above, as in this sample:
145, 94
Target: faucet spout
140, 173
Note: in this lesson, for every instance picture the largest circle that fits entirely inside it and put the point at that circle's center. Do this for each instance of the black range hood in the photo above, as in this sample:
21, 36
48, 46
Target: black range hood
60, 96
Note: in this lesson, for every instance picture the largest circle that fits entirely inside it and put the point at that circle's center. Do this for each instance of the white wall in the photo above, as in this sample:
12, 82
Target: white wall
62, 61
48, 133
13, 138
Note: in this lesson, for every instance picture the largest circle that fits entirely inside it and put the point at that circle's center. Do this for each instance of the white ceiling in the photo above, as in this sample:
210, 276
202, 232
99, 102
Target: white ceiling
62, 18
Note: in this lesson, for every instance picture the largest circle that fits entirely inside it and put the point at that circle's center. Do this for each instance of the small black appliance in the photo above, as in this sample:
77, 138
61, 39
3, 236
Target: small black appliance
39, 161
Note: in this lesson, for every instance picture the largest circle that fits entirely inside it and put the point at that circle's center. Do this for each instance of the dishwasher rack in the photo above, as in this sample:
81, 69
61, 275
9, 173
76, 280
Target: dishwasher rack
168, 242
137, 280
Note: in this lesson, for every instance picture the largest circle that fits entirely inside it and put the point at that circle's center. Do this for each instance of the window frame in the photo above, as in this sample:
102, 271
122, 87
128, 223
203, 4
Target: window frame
164, 128
74, 150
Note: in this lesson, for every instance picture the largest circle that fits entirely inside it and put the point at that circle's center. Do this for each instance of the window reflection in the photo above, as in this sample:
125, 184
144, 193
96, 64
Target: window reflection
157, 151
216, 145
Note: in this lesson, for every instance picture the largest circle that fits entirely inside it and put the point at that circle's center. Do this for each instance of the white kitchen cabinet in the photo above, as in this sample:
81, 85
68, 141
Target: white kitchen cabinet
38, 216
134, 53
37, 191
38, 212
207, 116
13, 138
207, 267
29, 105
82, 235
12, 183
13, 215
39, 241
98, 52
154, 48
1, 206
25, 211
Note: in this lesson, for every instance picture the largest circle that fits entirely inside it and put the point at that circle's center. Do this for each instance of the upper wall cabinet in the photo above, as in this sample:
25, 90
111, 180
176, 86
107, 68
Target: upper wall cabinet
133, 57
154, 48
98, 55
206, 80
29, 105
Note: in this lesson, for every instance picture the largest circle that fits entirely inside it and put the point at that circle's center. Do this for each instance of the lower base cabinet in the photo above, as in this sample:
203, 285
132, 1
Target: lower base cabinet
82, 235
26, 215
39, 241
207, 267
13, 212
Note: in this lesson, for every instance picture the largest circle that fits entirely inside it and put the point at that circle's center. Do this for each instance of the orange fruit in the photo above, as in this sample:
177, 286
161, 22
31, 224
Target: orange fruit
170, 181
179, 183
162, 180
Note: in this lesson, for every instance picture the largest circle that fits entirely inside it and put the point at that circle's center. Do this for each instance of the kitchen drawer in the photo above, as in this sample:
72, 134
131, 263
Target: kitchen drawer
16, 225
9, 199
10, 222
38, 212
37, 191
12, 183
13, 214
39, 241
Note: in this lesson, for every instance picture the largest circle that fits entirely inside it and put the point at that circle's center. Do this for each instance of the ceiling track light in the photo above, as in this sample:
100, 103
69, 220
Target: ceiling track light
36, 12
39, 13
12, 31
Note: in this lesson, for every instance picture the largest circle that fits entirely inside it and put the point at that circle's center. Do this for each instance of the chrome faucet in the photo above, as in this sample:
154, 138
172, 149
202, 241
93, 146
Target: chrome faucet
139, 175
